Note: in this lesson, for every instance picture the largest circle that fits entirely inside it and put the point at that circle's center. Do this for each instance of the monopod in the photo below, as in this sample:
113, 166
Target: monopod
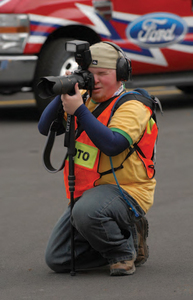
69, 142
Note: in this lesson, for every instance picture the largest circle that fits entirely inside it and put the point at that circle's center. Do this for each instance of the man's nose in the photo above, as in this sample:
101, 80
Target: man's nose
96, 78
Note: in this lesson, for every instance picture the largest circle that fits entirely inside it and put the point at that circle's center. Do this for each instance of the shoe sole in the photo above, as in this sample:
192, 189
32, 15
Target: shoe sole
122, 272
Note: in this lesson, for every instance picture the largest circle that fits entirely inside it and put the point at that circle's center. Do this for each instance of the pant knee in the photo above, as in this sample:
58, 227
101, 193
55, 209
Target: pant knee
49, 259
81, 218
53, 262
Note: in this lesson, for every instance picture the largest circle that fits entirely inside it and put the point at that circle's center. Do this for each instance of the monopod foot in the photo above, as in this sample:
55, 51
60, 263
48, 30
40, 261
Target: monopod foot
72, 273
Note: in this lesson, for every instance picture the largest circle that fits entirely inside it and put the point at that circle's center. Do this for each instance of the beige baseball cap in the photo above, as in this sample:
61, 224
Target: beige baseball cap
104, 56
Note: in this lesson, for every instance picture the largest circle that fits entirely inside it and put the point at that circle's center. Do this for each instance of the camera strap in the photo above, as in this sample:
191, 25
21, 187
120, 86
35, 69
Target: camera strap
48, 148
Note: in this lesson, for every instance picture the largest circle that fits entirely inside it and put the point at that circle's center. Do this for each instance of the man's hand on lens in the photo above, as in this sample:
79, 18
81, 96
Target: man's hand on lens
71, 103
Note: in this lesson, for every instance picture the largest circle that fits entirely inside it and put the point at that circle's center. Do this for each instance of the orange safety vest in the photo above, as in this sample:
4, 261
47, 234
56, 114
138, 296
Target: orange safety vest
86, 160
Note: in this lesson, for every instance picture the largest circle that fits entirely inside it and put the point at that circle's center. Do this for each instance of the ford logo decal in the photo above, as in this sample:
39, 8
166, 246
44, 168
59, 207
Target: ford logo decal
156, 30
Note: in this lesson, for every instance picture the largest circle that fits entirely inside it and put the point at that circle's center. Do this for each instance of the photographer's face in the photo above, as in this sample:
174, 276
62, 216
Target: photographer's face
106, 84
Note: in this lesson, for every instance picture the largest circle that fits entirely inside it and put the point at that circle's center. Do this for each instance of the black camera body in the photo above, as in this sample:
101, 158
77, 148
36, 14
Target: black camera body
52, 86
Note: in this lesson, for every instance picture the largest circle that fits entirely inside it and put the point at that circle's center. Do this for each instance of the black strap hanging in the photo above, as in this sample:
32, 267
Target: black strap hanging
48, 148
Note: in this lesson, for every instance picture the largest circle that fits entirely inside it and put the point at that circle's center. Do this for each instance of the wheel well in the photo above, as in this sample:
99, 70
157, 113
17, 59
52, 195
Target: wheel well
74, 32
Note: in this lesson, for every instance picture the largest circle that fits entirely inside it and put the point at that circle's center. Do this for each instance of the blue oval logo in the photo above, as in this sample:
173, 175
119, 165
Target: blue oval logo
156, 30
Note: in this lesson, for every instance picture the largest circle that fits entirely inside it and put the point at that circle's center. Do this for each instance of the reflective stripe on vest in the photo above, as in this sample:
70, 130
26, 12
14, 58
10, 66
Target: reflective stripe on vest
145, 147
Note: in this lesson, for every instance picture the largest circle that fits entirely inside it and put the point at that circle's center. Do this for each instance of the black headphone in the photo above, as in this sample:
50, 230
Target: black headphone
123, 66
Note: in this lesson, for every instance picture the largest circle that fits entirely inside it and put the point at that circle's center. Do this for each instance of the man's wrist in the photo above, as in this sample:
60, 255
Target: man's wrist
80, 110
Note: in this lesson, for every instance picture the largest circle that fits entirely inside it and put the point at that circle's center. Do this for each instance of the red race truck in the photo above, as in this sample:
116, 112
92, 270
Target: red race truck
157, 37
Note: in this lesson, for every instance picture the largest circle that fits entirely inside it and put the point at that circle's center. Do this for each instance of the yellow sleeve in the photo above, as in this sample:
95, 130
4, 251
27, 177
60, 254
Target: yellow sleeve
130, 119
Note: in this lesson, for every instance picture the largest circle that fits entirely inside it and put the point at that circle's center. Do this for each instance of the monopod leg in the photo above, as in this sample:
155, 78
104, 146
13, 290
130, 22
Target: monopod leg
71, 179
70, 143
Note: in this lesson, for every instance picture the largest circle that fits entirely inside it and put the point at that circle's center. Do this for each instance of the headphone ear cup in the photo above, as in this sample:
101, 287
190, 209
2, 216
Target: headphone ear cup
123, 65
123, 69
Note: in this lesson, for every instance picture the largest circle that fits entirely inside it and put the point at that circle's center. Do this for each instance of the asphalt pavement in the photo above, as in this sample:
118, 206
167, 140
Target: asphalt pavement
31, 201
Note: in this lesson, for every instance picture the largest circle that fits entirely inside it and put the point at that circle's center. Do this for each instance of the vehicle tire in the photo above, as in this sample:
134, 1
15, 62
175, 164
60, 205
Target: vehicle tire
186, 89
54, 60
